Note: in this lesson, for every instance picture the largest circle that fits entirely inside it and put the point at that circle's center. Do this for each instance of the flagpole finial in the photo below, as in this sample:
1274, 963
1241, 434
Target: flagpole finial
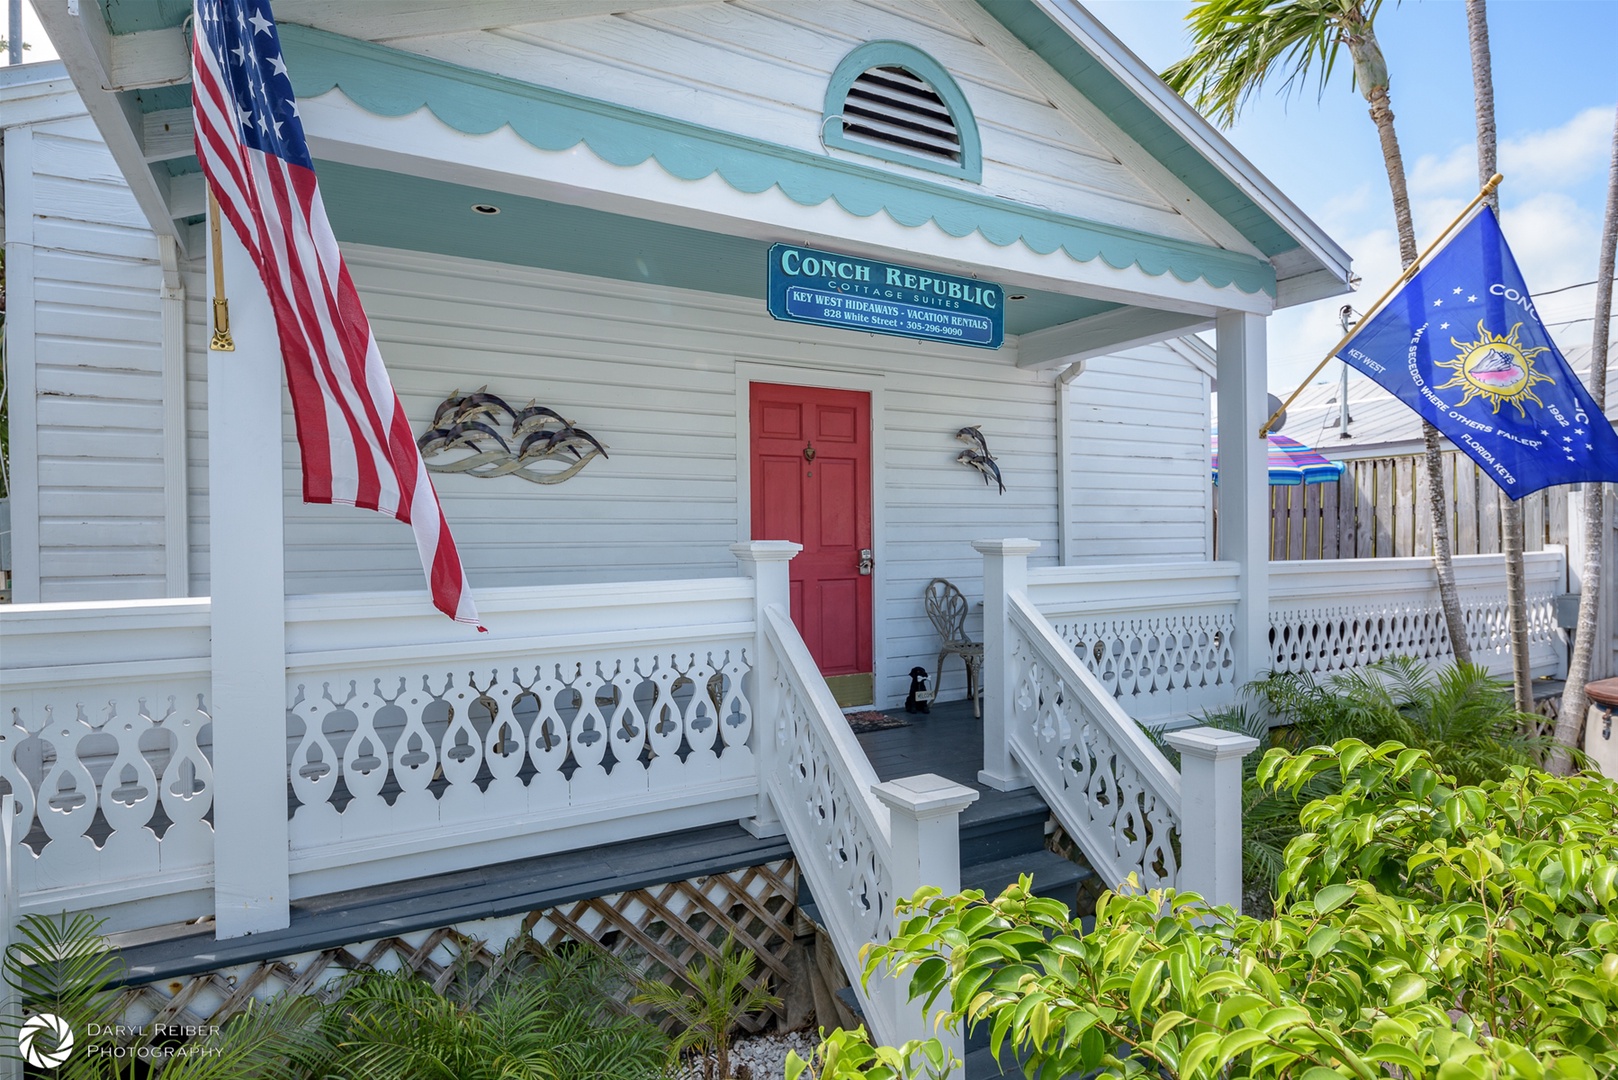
1492, 183
221, 340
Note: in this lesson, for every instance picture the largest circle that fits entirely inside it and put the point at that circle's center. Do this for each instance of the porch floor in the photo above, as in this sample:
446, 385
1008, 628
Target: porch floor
948, 741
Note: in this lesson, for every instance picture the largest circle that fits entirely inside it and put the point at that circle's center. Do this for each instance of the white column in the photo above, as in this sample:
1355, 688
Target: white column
1244, 486
248, 583
767, 563
10, 1007
1005, 571
925, 832
1211, 806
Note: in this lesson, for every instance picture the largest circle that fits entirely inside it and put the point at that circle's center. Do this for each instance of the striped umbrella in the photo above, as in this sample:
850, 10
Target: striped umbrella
1291, 462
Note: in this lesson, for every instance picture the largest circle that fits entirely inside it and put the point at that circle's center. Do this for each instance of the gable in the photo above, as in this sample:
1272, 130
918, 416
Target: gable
762, 71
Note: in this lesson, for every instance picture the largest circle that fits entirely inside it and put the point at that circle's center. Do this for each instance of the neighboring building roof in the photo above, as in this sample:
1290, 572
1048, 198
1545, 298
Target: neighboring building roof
1380, 424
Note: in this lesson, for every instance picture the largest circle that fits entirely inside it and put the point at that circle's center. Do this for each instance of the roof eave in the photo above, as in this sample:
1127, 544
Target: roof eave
1330, 273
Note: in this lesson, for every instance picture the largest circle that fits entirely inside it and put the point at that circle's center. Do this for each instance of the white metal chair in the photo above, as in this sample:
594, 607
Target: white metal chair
946, 610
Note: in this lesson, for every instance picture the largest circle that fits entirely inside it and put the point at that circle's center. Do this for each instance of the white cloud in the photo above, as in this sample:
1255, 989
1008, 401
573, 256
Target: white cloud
1559, 157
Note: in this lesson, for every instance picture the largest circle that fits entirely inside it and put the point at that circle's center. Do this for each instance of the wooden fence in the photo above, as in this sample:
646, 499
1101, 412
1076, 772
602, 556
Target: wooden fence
1378, 510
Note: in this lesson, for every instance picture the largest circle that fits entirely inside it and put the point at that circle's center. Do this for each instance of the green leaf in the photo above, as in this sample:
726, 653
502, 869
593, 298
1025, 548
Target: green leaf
1323, 940
1236, 1005
1394, 1054
1332, 897
1238, 1042
1407, 988
1144, 983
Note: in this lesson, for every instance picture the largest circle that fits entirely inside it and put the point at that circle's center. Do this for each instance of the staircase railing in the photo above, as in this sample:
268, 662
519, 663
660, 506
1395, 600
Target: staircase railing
821, 787
1049, 722
1112, 790
860, 844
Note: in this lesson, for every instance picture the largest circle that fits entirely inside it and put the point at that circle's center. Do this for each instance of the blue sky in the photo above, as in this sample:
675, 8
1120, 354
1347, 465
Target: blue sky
1556, 89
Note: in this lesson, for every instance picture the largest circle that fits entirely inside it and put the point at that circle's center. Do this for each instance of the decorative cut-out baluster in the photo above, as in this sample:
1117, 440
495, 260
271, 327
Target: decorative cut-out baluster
67, 794
129, 791
314, 767
22, 788
186, 790
587, 737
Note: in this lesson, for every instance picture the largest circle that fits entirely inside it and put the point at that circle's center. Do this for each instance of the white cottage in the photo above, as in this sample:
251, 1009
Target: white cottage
581, 206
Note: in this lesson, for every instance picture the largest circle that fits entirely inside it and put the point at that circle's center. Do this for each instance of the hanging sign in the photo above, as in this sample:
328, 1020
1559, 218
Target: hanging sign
828, 289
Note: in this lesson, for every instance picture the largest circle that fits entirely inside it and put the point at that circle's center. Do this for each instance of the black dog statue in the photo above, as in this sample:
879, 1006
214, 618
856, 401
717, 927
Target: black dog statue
919, 700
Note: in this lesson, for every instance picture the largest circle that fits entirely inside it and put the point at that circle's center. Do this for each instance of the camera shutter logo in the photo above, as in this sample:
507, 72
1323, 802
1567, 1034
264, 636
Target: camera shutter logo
60, 1032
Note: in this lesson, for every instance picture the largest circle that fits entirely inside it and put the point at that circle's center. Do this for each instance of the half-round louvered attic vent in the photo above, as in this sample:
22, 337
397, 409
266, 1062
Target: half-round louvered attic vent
892, 107
891, 101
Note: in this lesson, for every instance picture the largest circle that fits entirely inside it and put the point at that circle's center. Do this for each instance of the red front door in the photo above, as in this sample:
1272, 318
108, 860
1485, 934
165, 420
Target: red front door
812, 485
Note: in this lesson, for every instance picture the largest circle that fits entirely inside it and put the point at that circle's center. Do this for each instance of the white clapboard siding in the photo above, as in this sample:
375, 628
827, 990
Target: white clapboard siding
652, 372
96, 359
1138, 426
761, 69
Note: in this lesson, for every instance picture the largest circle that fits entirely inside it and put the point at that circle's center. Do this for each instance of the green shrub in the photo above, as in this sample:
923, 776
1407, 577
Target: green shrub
1461, 715
541, 1015
1425, 930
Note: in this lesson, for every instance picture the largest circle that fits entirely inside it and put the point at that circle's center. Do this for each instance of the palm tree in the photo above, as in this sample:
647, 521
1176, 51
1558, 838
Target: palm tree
1237, 45
719, 997
1574, 700
1511, 523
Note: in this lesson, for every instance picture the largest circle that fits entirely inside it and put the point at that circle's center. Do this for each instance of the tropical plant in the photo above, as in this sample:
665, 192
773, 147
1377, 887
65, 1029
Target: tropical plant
1575, 702
538, 1015
62, 966
1426, 930
720, 996
1461, 715
1238, 46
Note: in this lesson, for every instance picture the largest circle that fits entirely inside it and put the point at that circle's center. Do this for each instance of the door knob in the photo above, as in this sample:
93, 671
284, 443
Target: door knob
867, 561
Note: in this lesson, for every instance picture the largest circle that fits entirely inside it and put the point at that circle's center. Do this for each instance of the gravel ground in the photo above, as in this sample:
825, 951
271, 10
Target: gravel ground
764, 1055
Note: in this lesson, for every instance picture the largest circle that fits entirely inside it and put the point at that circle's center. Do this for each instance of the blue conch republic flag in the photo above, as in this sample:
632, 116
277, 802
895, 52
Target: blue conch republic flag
1462, 345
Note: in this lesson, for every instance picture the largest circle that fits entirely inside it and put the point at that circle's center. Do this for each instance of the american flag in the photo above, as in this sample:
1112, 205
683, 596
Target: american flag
352, 432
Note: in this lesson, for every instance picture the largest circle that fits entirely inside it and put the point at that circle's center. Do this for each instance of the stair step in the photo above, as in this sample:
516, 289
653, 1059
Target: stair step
1053, 875
1011, 830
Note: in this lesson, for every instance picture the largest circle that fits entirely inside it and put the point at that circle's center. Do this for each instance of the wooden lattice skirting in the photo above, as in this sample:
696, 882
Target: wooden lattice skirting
661, 930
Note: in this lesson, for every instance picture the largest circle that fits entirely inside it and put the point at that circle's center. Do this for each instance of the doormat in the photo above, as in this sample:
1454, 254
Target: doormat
867, 721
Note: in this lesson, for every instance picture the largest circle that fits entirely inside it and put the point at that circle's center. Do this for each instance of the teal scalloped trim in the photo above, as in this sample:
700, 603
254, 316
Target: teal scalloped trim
898, 54
388, 82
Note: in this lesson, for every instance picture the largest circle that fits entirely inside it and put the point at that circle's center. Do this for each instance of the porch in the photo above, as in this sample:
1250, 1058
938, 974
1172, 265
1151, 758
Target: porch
420, 780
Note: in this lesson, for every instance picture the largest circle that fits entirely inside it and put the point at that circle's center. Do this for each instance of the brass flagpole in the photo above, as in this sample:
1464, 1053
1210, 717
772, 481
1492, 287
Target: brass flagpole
220, 342
1410, 272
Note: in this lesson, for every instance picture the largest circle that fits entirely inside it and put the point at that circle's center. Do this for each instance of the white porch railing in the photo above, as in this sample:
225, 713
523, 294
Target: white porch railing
601, 713
1328, 616
598, 713
105, 740
1158, 638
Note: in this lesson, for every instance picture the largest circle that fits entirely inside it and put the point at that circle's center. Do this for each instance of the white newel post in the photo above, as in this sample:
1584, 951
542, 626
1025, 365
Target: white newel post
767, 563
1244, 484
1211, 810
248, 583
925, 831
1005, 571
